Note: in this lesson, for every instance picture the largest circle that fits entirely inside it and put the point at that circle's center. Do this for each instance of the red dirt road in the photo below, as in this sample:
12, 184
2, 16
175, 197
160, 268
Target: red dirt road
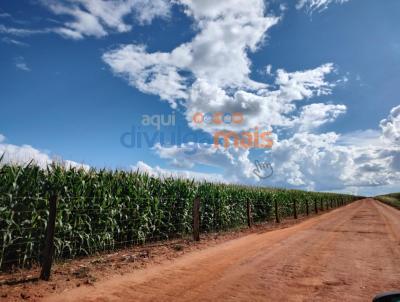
349, 254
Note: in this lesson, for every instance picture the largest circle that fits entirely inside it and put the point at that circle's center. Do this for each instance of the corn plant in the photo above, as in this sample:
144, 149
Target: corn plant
99, 210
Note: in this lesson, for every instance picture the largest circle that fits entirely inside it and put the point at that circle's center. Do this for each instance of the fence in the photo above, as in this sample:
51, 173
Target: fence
71, 227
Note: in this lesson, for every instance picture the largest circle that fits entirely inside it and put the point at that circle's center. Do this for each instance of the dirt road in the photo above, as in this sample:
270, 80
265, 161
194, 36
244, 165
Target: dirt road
349, 254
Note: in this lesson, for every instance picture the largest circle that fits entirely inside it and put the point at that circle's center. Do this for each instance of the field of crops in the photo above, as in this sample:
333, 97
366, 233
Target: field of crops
390, 199
100, 210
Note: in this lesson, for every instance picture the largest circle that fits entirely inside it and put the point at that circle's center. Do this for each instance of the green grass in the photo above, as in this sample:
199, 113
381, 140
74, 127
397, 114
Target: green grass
103, 210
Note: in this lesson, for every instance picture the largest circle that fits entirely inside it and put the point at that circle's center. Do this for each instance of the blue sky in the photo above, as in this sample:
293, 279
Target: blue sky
323, 75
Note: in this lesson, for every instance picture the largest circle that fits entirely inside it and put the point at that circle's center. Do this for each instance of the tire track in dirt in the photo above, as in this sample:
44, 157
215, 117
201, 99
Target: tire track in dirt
362, 261
280, 269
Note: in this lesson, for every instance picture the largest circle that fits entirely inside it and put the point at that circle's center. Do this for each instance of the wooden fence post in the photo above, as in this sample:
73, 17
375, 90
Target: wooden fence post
295, 208
277, 219
196, 219
249, 216
48, 251
307, 208
316, 206
322, 205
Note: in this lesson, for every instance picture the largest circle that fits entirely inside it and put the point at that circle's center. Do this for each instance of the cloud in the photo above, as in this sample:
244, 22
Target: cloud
362, 138
23, 155
96, 18
325, 161
227, 30
99, 18
264, 108
330, 161
303, 161
268, 69
211, 73
315, 115
317, 5
155, 73
22, 32
300, 161
14, 42
21, 64
217, 54
391, 126
69, 164
185, 174
304, 84
5, 15
234, 162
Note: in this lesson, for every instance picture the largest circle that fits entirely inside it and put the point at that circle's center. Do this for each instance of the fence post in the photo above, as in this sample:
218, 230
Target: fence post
249, 216
277, 219
322, 205
48, 251
307, 207
316, 206
295, 208
196, 219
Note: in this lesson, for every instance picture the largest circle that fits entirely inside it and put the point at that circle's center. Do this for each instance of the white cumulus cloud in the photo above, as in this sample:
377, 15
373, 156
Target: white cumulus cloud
391, 126
315, 115
234, 162
185, 174
25, 154
325, 161
211, 73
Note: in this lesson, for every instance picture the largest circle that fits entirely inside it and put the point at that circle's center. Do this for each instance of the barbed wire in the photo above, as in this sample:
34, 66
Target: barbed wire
123, 226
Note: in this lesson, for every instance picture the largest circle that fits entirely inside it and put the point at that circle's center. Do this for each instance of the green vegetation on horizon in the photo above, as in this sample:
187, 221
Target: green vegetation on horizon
392, 199
103, 210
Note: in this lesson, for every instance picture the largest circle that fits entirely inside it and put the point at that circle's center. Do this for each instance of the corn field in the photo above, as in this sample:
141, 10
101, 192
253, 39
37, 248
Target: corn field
390, 199
101, 210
